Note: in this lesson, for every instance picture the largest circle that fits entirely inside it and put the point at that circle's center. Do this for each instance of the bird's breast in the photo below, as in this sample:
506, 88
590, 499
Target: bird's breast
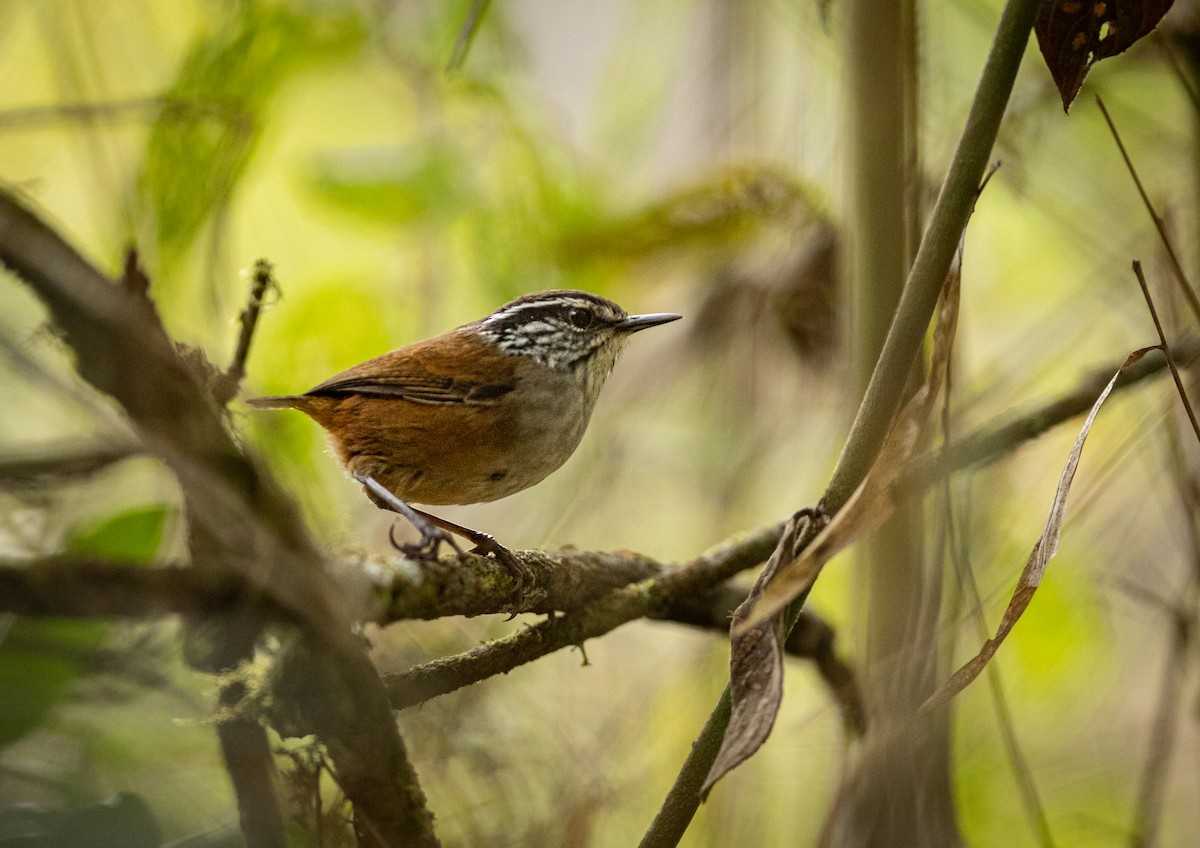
464, 453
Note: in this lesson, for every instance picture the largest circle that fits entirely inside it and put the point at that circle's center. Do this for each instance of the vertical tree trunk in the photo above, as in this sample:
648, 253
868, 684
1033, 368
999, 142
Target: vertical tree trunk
896, 794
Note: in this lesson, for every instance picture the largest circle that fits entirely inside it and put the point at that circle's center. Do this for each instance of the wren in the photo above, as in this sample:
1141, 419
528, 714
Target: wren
476, 414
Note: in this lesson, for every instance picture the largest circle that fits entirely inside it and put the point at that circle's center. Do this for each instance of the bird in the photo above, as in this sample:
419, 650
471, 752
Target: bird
473, 415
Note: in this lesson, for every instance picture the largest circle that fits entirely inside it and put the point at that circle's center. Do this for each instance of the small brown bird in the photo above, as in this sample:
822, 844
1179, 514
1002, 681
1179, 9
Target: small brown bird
475, 414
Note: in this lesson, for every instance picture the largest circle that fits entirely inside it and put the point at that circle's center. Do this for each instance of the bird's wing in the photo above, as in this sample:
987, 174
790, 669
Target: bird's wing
422, 373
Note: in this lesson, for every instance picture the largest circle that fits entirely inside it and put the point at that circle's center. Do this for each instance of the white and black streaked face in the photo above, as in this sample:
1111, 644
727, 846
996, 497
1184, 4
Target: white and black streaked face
561, 329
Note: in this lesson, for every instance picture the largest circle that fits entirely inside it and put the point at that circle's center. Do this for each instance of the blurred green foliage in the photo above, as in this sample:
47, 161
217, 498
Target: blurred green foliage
212, 114
40, 659
675, 156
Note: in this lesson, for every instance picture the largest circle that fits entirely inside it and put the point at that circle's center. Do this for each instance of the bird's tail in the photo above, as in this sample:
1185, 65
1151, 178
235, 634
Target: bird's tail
278, 402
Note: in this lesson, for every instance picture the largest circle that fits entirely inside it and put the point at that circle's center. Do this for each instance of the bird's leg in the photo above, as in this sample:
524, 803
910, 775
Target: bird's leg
436, 530
432, 536
485, 543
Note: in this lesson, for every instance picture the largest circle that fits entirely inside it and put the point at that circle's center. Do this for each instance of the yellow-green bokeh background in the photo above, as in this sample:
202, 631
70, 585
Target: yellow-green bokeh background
646, 152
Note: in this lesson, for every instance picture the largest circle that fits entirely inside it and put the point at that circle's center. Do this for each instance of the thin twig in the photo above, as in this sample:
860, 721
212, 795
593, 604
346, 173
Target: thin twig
262, 283
1166, 349
1184, 285
998, 438
467, 33
1164, 45
60, 461
1180, 616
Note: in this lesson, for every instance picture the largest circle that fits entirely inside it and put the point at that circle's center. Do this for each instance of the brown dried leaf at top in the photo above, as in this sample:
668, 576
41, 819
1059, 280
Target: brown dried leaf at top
1075, 34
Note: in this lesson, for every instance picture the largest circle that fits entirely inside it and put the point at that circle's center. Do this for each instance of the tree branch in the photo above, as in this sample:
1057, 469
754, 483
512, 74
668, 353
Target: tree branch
90, 588
60, 461
87, 588
340, 699
651, 597
122, 350
240, 523
246, 752
998, 438
560, 580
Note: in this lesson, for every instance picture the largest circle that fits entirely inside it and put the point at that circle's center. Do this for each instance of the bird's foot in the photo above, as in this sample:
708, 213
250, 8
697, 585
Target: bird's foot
432, 539
485, 544
432, 536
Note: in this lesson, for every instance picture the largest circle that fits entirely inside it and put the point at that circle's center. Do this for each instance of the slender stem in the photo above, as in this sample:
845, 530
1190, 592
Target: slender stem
1166, 349
676, 813
935, 254
897, 612
903, 342
466, 35
261, 283
996, 440
1184, 286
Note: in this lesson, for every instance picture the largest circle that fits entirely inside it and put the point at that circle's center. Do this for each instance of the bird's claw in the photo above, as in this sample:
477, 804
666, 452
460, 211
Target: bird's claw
432, 538
519, 571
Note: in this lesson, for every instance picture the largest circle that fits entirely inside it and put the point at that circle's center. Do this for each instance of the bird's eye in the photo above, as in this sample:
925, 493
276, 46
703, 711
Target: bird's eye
580, 317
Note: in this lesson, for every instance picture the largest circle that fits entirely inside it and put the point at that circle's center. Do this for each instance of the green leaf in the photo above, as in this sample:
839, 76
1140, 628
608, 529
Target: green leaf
428, 184
214, 114
125, 820
39, 659
132, 536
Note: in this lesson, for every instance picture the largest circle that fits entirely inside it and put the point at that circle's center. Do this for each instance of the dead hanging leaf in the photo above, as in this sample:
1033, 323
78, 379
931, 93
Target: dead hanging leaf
1075, 34
756, 663
874, 501
756, 666
1035, 567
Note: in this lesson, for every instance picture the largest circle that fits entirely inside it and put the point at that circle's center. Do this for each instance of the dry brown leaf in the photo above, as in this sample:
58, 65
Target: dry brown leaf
756, 667
1035, 567
1075, 34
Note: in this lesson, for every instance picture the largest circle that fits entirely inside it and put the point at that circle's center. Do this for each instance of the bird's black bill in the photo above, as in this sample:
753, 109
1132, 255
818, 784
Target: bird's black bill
640, 322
